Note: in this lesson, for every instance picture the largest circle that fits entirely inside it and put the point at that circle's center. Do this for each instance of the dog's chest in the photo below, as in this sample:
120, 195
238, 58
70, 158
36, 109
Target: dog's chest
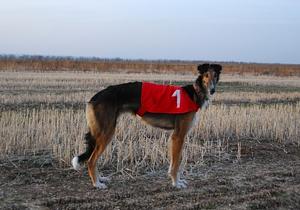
205, 105
196, 119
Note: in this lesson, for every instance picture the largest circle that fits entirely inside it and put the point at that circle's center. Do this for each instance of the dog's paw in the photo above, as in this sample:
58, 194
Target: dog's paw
180, 184
103, 179
100, 185
75, 163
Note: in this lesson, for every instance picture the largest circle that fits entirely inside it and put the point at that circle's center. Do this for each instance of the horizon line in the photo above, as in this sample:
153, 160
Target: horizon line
97, 58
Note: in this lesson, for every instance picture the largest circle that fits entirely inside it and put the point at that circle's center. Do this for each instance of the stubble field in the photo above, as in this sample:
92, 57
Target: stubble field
244, 152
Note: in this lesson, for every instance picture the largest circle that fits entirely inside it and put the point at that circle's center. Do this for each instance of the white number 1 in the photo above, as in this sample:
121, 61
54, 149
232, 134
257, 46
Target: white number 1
177, 95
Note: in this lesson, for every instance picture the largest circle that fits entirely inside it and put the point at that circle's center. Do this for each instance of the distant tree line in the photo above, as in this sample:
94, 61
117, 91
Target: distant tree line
57, 63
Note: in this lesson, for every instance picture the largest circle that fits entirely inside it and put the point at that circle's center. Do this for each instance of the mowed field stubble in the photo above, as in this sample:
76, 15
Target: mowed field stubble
243, 151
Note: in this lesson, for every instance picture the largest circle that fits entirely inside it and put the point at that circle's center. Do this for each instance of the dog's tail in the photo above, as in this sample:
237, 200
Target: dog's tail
89, 137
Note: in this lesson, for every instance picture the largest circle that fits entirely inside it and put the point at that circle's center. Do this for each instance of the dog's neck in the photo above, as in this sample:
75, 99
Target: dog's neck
199, 95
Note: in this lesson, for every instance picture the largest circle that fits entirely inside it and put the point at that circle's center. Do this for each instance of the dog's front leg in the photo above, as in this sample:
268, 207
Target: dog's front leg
175, 156
182, 126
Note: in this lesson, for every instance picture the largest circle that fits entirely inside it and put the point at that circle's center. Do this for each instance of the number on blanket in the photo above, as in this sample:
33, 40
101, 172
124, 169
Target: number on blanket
177, 95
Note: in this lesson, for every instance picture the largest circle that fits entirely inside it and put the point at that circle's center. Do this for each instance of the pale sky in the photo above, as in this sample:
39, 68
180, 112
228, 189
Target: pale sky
265, 31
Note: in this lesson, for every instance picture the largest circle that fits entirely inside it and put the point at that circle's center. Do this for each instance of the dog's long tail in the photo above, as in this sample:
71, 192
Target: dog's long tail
89, 137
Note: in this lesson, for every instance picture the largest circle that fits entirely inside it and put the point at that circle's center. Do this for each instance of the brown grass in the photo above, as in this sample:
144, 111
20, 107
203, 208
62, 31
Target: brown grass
39, 63
31, 123
137, 146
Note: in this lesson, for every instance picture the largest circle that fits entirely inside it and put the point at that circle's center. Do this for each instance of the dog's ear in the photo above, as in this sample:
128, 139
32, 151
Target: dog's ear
217, 68
203, 68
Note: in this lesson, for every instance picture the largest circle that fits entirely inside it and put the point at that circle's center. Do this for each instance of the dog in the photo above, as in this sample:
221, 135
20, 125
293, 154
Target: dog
103, 109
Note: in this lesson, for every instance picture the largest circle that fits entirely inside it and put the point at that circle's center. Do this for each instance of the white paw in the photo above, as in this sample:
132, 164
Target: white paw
75, 163
180, 184
103, 179
100, 185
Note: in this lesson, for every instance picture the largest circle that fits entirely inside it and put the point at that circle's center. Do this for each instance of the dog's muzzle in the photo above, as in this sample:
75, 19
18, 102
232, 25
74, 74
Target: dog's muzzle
212, 91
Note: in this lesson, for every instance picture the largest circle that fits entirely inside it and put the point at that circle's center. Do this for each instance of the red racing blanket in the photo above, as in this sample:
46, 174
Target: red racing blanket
165, 99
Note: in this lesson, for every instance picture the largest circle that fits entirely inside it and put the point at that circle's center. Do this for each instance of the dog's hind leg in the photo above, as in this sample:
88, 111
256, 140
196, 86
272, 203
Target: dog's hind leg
101, 143
102, 120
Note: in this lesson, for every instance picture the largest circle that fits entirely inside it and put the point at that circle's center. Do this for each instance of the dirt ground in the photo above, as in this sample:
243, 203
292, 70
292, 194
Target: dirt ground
267, 176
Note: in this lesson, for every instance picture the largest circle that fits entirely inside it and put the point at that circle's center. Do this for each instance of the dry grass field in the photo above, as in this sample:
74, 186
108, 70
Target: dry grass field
49, 63
243, 153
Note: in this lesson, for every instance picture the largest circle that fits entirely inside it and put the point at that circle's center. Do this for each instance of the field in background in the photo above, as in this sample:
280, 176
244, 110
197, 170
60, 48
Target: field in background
42, 63
243, 152
46, 112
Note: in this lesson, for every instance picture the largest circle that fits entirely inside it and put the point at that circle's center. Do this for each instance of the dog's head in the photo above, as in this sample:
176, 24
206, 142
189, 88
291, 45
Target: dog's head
209, 77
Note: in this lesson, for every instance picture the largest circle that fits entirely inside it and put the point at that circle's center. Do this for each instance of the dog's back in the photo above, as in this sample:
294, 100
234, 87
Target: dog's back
124, 97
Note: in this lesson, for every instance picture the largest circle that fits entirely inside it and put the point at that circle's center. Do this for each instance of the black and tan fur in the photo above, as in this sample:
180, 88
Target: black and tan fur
103, 109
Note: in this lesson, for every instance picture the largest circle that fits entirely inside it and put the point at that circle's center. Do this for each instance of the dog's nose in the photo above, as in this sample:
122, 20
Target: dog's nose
212, 91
